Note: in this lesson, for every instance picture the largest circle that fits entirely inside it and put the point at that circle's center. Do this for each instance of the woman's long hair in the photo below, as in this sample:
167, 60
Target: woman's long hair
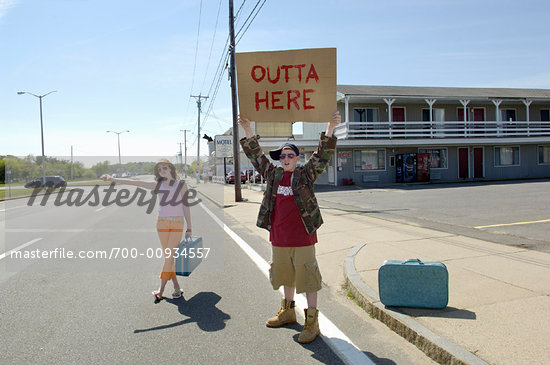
159, 178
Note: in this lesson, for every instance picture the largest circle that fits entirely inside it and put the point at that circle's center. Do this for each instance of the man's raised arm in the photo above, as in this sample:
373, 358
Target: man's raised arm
245, 123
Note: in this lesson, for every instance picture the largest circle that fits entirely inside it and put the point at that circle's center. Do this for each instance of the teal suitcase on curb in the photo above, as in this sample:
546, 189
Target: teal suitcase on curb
413, 283
188, 256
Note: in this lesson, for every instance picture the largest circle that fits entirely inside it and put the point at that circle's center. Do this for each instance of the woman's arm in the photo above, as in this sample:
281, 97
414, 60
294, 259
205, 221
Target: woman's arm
143, 184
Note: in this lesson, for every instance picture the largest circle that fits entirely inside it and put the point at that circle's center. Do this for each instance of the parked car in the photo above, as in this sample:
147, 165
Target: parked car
253, 176
230, 177
51, 182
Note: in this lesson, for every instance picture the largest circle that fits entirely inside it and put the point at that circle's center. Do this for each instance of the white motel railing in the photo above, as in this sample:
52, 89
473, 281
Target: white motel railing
441, 129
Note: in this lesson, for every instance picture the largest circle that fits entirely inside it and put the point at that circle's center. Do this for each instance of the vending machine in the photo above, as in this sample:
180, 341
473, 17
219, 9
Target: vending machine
409, 167
423, 167
399, 168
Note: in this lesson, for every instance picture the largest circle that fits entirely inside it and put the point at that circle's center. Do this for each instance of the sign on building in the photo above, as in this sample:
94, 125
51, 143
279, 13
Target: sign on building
287, 86
224, 146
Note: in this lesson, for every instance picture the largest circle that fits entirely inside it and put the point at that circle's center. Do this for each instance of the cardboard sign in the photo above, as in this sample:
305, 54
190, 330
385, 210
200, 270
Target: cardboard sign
287, 86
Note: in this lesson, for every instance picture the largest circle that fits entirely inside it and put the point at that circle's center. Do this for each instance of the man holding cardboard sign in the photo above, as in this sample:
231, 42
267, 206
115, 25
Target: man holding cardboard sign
287, 86
284, 86
290, 212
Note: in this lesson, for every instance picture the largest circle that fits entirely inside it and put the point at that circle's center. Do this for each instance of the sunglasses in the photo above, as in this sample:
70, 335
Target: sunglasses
163, 168
289, 155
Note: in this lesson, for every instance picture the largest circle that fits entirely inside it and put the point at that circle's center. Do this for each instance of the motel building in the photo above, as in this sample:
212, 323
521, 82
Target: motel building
395, 134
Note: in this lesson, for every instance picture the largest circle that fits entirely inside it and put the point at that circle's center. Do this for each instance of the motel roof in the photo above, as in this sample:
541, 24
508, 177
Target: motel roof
457, 93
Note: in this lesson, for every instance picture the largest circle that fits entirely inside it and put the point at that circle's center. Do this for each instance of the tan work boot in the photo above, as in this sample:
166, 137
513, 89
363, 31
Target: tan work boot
311, 327
286, 315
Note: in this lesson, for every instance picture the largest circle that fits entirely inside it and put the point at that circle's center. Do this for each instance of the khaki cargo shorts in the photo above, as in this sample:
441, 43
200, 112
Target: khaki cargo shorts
295, 267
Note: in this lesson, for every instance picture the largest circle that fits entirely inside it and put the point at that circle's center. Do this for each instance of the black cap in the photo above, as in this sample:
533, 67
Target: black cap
275, 153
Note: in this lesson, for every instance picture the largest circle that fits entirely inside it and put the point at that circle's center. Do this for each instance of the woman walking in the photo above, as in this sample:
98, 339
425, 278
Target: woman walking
173, 210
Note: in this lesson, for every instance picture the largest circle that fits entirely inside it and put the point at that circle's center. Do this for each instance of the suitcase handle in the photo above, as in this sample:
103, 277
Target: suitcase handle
413, 260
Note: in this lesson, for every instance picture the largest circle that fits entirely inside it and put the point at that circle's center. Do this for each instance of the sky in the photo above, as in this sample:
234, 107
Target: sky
133, 65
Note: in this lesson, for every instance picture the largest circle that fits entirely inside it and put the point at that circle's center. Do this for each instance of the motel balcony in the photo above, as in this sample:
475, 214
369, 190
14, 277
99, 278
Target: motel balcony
441, 129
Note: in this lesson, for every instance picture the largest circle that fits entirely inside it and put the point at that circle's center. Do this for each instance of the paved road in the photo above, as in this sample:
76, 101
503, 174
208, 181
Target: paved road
512, 213
101, 311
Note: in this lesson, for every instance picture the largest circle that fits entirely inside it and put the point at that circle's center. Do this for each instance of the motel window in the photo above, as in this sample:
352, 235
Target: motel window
545, 115
508, 115
544, 154
506, 156
438, 157
438, 115
365, 115
370, 159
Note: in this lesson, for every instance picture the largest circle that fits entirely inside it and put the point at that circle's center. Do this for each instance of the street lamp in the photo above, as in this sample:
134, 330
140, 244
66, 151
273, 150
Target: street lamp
41, 130
118, 136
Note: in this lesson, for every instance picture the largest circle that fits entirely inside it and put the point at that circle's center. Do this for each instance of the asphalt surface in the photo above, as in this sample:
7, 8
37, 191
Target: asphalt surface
513, 212
102, 311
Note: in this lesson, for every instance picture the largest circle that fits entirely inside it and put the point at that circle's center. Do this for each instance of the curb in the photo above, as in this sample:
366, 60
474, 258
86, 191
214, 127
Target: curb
436, 347
218, 204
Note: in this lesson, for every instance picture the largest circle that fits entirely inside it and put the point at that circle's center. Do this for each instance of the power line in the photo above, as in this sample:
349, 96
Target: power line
239, 11
249, 15
212, 45
218, 83
196, 47
196, 52
248, 26
220, 65
226, 58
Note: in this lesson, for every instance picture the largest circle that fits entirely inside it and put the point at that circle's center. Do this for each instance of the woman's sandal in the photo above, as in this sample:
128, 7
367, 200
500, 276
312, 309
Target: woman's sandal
157, 295
177, 294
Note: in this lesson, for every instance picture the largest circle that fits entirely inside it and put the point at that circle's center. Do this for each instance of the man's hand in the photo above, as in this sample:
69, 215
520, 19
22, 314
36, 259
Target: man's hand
336, 119
245, 123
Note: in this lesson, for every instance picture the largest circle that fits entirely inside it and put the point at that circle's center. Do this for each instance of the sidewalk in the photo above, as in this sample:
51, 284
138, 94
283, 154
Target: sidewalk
499, 296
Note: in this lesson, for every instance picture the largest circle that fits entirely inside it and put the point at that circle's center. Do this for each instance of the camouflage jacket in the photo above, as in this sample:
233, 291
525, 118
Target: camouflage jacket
302, 181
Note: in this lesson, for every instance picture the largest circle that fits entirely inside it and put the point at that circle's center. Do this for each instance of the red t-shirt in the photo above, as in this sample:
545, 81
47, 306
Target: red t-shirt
287, 228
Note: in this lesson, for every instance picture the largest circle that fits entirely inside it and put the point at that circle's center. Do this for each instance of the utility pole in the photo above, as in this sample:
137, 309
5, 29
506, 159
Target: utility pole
232, 73
199, 104
185, 144
72, 164
181, 156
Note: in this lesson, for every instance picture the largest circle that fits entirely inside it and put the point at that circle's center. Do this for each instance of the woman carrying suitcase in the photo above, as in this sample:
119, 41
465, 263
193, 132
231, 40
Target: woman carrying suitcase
173, 210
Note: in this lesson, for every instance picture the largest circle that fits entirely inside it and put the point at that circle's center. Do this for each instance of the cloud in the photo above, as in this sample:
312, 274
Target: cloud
5, 5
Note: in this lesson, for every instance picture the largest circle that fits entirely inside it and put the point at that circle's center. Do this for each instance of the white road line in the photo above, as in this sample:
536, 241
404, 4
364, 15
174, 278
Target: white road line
332, 335
7, 253
21, 206
513, 224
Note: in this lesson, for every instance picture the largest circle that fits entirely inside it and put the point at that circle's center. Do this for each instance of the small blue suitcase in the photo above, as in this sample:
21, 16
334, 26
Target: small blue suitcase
188, 256
413, 283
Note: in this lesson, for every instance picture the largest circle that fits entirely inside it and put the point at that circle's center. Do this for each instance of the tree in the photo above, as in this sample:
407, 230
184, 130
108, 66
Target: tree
193, 168
101, 168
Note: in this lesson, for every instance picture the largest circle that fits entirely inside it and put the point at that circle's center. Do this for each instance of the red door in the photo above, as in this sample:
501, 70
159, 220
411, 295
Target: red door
479, 118
463, 163
398, 114
478, 162
479, 115
398, 118
460, 127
